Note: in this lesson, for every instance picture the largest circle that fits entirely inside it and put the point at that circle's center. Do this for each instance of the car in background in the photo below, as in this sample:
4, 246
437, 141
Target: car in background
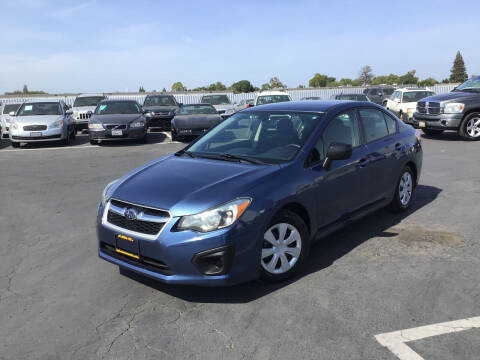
308, 98
271, 97
39, 121
351, 97
403, 102
82, 108
5, 118
459, 110
243, 104
160, 110
379, 95
117, 120
194, 120
220, 102
247, 199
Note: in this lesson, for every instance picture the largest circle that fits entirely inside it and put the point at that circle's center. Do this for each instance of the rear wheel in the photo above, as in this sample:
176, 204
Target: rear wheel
175, 137
93, 142
15, 144
403, 191
285, 247
432, 132
470, 127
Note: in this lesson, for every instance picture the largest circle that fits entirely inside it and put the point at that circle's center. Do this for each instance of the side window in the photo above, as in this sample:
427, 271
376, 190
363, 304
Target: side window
341, 129
374, 125
391, 124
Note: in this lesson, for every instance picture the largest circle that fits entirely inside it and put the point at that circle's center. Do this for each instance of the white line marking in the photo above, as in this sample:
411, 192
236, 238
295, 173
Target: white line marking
395, 341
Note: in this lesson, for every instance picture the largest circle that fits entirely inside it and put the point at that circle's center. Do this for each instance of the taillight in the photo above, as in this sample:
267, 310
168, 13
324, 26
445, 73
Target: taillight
418, 134
247, 106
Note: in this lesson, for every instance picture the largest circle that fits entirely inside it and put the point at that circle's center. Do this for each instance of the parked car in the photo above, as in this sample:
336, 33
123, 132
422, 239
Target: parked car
117, 120
351, 97
403, 102
379, 95
83, 106
248, 198
5, 118
243, 104
160, 110
270, 97
37, 121
220, 102
311, 98
194, 120
458, 110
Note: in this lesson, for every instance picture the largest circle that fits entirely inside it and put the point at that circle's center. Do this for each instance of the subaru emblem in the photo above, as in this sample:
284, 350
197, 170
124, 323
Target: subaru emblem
130, 214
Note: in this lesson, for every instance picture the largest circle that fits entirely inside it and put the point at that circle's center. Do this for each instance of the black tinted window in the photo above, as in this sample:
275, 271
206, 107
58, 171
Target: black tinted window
374, 124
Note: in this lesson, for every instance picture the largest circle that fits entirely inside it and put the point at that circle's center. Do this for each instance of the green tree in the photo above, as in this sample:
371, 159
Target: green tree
178, 86
365, 75
301, 86
427, 82
275, 83
218, 86
141, 89
409, 78
458, 73
265, 87
345, 82
242, 86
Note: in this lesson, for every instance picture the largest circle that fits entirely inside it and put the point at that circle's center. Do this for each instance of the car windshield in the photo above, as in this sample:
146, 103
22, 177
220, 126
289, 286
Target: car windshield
88, 101
117, 107
355, 97
266, 137
414, 96
270, 99
196, 109
216, 99
40, 108
469, 85
160, 100
388, 91
7, 109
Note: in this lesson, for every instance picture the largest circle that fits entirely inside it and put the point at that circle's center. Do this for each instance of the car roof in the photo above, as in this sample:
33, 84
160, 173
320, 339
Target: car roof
198, 104
213, 95
319, 106
89, 95
117, 100
151, 95
412, 89
274, 92
43, 101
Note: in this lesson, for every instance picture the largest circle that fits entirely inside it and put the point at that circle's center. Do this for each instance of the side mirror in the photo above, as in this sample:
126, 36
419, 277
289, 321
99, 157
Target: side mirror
337, 151
397, 100
11, 113
69, 112
90, 113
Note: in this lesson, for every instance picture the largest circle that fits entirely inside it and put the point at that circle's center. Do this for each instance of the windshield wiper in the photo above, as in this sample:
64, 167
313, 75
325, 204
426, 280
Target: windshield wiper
242, 158
186, 152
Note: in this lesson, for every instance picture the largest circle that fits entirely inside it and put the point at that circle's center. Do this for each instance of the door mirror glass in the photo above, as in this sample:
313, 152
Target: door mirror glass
337, 151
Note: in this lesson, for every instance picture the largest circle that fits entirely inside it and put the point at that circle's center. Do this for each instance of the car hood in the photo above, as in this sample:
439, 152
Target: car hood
115, 118
223, 107
37, 119
186, 185
196, 121
454, 95
161, 108
83, 108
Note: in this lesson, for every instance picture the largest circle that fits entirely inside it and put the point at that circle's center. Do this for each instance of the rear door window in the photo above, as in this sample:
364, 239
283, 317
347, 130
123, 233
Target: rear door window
374, 124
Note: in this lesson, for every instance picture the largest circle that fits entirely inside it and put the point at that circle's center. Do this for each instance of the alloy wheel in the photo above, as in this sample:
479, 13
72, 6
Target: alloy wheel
473, 127
282, 247
405, 188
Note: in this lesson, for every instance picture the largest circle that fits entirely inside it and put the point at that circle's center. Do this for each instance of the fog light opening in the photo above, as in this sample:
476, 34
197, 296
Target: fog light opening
214, 262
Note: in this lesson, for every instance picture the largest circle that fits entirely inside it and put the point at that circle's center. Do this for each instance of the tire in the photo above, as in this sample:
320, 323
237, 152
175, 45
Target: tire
432, 132
67, 139
405, 186
74, 134
278, 263
93, 142
15, 144
470, 127
175, 137
143, 140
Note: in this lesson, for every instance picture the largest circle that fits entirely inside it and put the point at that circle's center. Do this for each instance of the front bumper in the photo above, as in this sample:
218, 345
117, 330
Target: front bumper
22, 136
437, 122
160, 121
178, 257
190, 132
129, 133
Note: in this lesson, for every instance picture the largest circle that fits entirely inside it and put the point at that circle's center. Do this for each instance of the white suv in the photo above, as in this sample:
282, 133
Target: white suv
403, 102
270, 97
83, 106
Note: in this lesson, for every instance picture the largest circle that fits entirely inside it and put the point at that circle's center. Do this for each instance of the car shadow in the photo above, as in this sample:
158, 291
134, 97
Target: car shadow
4, 143
322, 254
446, 136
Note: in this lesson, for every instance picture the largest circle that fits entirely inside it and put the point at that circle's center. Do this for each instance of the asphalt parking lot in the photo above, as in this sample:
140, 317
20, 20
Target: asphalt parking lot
383, 274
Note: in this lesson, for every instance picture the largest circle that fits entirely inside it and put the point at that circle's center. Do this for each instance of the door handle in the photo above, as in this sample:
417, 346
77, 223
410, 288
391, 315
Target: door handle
362, 162
398, 146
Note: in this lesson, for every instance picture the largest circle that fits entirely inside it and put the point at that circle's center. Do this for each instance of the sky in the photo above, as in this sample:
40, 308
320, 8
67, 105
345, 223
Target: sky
118, 45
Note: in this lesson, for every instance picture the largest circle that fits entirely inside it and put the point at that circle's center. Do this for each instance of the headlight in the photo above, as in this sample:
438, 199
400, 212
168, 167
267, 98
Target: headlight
14, 125
95, 126
107, 192
229, 111
137, 124
56, 124
410, 111
453, 108
213, 219
148, 114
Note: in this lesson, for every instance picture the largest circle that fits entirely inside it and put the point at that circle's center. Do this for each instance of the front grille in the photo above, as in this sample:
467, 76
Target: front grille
36, 137
221, 111
116, 127
162, 113
431, 108
35, 128
84, 116
144, 262
149, 221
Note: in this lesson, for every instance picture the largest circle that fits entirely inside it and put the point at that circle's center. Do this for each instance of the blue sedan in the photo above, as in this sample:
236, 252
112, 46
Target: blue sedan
247, 199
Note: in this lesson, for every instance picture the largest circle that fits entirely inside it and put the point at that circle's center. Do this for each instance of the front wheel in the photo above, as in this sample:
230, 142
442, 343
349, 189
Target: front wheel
93, 142
403, 191
15, 144
285, 247
470, 127
432, 132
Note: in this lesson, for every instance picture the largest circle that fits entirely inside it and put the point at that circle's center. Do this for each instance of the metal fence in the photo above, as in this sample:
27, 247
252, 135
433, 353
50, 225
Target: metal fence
195, 97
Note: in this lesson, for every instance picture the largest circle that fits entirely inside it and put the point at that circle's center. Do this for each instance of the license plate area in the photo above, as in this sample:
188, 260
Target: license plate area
421, 123
126, 245
36, 134
117, 133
